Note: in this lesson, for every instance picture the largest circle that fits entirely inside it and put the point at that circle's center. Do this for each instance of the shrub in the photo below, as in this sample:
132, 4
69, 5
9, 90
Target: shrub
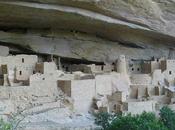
123, 123
148, 121
104, 119
4, 125
167, 116
145, 121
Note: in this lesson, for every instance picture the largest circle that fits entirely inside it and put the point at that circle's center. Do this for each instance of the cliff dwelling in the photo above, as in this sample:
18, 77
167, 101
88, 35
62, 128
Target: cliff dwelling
63, 61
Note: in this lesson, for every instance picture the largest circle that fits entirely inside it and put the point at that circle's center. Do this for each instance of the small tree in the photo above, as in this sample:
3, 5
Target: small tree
167, 116
148, 121
124, 123
104, 119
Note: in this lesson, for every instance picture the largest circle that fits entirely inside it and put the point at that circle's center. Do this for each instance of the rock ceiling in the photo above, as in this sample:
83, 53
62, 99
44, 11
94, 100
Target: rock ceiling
133, 24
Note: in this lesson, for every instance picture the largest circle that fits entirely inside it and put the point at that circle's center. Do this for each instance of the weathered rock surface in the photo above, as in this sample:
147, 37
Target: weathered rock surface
76, 45
93, 29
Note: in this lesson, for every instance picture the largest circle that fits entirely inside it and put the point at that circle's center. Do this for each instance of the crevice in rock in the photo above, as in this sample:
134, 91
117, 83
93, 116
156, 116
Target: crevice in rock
131, 45
18, 48
66, 60
26, 49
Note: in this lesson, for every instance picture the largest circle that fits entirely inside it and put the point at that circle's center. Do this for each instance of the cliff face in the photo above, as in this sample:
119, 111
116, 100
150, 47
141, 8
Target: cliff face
97, 30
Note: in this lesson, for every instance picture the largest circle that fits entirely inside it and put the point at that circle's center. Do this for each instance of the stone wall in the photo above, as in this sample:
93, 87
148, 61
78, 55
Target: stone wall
19, 67
103, 84
4, 51
139, 107
144, 79
82, 93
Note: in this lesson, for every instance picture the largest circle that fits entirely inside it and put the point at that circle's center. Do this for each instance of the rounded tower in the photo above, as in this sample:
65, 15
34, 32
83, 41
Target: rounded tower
121, 64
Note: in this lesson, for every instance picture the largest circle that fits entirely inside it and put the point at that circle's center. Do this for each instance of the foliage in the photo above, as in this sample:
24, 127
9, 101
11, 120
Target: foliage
145, 121
4, 125
13, 123
104, 119
167, 116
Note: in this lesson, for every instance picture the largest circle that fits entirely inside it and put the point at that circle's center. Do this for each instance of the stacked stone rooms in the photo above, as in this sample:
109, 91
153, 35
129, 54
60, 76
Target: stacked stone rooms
31, 86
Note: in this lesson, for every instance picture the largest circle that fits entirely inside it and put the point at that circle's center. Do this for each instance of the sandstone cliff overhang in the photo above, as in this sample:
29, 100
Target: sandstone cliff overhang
133, 24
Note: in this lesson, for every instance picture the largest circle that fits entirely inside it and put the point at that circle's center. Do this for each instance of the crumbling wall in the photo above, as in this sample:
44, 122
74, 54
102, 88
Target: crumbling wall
19, 67
4, 51
157, 77
82, 93
141, 79
103, 84
46, 67
139, 107
135, 69
22, 73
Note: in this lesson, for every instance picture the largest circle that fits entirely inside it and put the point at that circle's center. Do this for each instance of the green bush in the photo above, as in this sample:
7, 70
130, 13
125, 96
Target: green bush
4, 125
145, 121
104, 119
148, 121
167, 116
